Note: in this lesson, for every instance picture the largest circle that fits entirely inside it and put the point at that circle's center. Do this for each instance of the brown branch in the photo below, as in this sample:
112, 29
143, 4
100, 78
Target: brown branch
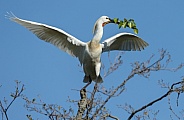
91, 100
140, 69
109, 92
82, 104
170, 108
134, 72
15, 96
112, 94
113, 66
3, 111
153, 102
109, 115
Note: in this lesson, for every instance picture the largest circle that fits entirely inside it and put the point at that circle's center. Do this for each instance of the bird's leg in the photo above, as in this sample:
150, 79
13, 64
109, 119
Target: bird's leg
89, 82
86, 85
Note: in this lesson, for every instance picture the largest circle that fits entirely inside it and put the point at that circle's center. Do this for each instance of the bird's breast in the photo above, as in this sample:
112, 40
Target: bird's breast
94, 50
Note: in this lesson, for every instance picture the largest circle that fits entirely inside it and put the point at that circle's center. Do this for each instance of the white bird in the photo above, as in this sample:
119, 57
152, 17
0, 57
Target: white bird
89, 54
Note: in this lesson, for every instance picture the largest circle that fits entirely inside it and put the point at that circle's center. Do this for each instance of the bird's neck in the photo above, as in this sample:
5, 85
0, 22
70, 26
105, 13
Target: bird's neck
98, 32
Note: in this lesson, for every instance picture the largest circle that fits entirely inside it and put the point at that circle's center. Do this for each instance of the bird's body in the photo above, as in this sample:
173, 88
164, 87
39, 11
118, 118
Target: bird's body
89, 54
91, 62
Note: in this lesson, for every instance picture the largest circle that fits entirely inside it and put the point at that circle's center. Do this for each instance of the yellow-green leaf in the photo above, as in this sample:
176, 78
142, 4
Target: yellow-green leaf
116, 20
136, 31
120, 24
125, 23
130, 24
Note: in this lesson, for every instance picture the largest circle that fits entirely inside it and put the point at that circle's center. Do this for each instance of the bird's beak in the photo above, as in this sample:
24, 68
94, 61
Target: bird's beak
111, 20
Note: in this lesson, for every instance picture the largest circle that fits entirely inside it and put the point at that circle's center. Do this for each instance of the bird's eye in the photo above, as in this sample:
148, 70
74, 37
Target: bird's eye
107, 18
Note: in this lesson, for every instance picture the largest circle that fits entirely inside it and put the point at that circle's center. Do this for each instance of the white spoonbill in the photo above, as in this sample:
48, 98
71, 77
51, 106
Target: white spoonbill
89, 53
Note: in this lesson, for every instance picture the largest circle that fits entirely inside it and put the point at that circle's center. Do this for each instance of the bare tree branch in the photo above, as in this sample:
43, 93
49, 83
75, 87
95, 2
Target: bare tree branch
110, 116
92, 106
82, 104
15, 96
153, 102
141, 69
170, 108
91, 102
113, 65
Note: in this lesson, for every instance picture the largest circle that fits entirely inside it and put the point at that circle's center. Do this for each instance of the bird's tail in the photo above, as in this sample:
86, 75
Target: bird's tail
98, 79
88, 79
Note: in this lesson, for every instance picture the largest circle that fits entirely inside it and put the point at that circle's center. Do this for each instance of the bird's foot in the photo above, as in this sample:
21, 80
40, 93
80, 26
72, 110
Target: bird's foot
90, 81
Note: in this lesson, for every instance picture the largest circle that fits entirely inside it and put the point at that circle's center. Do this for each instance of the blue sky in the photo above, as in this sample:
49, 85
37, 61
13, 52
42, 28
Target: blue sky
47, 71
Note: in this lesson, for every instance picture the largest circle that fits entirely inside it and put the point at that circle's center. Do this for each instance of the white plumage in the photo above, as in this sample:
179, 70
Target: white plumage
88, 53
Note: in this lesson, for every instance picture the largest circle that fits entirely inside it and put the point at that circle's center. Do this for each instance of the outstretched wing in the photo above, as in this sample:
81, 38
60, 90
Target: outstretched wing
53, 35
125, 42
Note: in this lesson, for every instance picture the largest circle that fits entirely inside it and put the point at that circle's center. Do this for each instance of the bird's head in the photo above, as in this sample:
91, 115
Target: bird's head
101, 22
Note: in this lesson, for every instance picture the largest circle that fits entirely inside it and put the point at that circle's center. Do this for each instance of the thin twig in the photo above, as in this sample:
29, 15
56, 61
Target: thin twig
92, 98
4, 111
15, 96
109, 115
170, 108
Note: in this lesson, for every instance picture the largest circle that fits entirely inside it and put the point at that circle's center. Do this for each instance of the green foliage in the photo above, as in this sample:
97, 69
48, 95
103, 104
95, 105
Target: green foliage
126, 23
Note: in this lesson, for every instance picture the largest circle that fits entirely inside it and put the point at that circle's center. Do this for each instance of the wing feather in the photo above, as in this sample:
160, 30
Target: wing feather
53, 35
125, 42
